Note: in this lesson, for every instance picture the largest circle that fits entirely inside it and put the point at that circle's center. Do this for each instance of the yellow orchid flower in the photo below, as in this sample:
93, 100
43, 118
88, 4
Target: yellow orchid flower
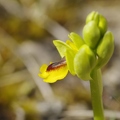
58, 70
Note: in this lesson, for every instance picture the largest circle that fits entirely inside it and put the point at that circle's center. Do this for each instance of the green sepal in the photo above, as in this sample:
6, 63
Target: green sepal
91, 34
77, 40
61, 47
84, 62
105, 49
72, 45
70, 61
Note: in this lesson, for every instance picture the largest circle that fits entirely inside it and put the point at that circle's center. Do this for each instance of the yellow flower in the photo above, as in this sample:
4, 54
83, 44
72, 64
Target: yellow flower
54, 71
58, 70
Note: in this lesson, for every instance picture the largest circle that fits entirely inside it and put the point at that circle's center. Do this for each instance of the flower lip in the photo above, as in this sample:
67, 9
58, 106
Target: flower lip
56, 65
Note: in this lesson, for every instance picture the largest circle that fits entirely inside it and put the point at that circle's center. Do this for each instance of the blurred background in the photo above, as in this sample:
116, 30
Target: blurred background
27, 29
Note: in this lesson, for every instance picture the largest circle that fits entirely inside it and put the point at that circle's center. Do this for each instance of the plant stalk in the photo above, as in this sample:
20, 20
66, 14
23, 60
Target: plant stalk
96, 94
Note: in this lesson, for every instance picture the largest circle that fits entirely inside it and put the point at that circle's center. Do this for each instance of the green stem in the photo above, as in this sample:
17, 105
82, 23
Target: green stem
96, 94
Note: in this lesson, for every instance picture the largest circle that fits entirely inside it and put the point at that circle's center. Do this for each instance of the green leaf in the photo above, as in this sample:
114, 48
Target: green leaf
77, 40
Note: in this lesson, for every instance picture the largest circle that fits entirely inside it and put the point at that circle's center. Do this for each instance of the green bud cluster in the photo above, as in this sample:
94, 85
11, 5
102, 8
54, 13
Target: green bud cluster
95, 28
92, 51
100, 21
97, 37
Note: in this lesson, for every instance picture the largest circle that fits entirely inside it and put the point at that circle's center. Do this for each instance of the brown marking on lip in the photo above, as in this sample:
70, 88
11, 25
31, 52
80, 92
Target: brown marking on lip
56, 65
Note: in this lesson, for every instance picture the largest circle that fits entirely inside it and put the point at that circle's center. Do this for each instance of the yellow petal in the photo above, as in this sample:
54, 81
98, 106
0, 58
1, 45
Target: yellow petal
56, 74
53, 72
43, 73
43, 68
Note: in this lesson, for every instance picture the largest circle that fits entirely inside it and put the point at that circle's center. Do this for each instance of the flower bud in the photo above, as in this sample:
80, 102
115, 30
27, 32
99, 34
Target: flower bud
93, 16
105, 49
84, 62
102, 24
99, 19
91, 34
